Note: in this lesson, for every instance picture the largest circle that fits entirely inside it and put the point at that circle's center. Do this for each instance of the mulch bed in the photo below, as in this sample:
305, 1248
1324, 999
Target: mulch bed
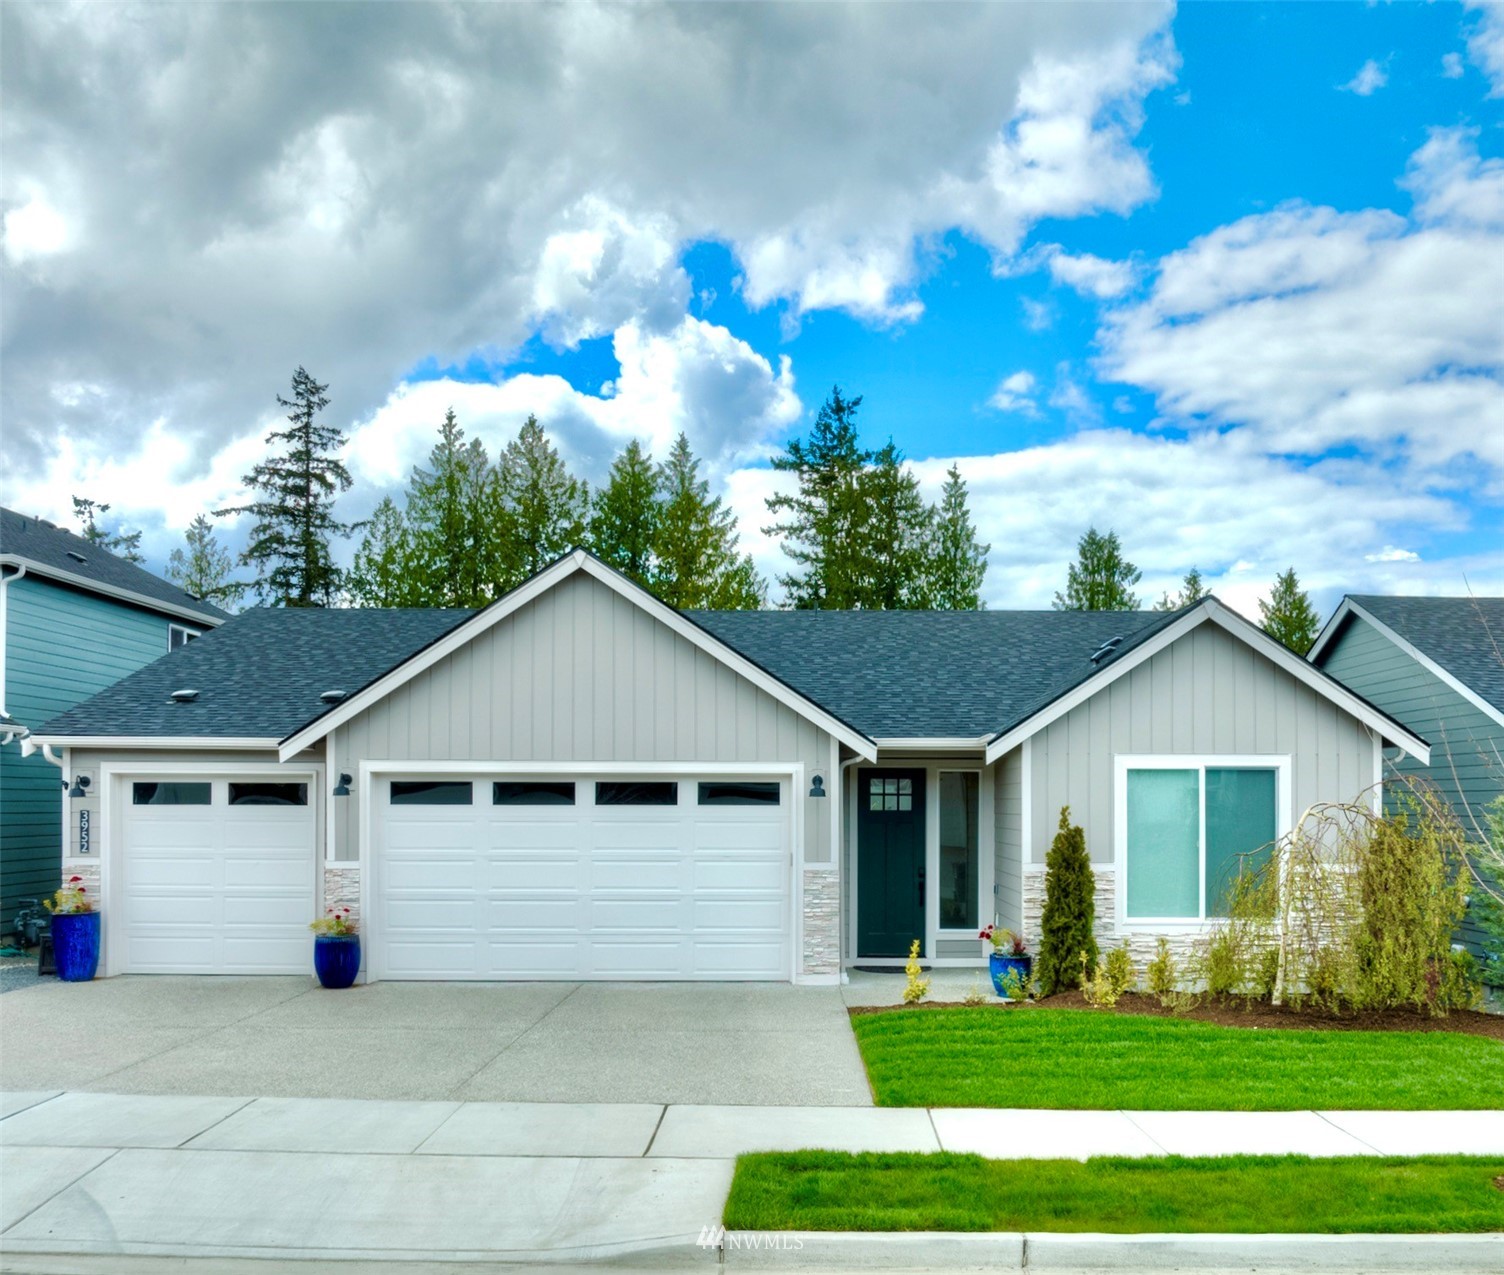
1235, 1011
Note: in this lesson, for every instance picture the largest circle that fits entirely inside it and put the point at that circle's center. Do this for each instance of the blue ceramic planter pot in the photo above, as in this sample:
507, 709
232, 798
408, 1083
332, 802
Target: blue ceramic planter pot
336, 959
1000, 964
75, 945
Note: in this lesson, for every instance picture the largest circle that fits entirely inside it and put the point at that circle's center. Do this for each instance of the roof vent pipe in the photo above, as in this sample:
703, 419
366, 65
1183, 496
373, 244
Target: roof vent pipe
186, 696
332, 697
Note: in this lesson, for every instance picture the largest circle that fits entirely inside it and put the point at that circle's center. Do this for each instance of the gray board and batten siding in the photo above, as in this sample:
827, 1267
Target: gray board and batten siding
582, 675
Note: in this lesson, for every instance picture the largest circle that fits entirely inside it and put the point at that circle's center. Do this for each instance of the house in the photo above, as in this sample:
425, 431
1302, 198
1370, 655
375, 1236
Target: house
1436, 664
73, 619
580, 782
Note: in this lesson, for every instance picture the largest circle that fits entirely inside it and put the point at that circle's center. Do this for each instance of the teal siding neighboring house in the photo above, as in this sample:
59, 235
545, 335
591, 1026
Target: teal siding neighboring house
68, 629
1435, 665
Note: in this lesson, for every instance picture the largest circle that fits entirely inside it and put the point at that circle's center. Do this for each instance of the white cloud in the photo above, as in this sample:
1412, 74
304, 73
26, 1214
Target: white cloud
1389, 553
1485, 47
35, 229
1317, 329
1091, 276
1451, 66
1069, 397
1371, 77
1015, 394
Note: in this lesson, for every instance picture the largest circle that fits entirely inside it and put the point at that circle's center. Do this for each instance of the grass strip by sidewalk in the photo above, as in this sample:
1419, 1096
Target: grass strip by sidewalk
834, 1191
1065, 1058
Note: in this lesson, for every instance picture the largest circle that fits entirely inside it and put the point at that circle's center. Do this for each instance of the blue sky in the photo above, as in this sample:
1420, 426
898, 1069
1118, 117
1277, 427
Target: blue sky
1225, 278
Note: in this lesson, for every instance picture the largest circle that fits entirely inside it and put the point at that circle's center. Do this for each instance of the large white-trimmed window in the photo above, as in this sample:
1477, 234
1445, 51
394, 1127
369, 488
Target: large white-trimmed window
1187, 826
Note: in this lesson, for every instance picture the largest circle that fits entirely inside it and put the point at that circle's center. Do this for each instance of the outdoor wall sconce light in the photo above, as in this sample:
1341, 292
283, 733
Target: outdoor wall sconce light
342, 789
817, 787
80, 786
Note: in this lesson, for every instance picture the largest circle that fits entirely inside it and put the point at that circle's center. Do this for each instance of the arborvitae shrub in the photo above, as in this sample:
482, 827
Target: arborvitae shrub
1070, 910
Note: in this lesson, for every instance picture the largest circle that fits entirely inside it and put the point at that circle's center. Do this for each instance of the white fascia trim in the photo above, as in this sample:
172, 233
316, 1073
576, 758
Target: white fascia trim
932, 744
1234, 624
538, 585
1349, 607
110, 591
155, 741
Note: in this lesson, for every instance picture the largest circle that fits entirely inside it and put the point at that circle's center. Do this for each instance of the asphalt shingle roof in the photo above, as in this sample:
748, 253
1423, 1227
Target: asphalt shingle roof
1463, 635
930, 674
951, 674
48, 547
260, 675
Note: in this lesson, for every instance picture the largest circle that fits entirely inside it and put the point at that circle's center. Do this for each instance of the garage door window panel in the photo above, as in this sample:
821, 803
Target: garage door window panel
246, 794
532, 793
615, 792
739, 794
171, 794
431, 793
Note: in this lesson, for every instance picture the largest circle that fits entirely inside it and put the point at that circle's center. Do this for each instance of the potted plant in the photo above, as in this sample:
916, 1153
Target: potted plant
75, 932
336, 948
1009, 962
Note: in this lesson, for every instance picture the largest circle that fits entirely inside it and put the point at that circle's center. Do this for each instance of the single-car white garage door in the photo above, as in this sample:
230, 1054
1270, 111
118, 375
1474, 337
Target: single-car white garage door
216, 875
582, 877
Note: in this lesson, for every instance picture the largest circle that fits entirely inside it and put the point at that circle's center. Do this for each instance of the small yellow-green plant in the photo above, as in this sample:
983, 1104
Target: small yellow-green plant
1163, 978
974, 995
70, 899
918, 988
1097, 985
1120, 969
1017, 986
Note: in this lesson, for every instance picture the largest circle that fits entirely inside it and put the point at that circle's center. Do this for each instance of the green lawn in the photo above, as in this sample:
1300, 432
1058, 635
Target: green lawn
1077, 1058
833, 1191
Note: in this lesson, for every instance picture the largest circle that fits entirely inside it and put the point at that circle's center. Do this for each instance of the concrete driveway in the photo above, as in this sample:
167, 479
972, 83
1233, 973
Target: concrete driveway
725, 1044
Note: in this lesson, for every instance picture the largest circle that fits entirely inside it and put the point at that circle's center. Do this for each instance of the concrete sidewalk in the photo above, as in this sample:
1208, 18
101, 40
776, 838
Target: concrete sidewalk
305, 1179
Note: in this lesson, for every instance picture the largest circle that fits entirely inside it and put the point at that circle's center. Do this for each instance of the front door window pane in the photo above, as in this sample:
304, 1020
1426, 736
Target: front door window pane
1239, 828
960, 846
1164, 843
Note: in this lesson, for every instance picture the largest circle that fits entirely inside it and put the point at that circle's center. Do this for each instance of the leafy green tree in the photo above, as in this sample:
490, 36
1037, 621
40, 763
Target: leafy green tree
297, 486
625, 512
123, 544
958, 561
541, 509
1192, 590
892, 567
695, 558
383, 574
453, 546
1068, 922
1101, 579
1288, 616
203, 566
822, 522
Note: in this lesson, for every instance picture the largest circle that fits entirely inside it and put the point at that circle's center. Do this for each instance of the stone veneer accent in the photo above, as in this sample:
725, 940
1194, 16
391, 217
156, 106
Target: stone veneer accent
342, 887
88, 869
1142, 945
822, 921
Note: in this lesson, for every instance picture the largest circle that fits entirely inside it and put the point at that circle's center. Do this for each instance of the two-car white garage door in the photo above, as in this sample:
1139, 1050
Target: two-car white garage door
581, 877
473, 877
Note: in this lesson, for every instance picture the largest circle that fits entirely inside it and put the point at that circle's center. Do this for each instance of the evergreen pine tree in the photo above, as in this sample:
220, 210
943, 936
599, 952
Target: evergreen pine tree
1101, 579
383, 574
624, 514
123, 544
958, 561
1288, 616
540, 507
695, 558
204, 569
822, 522
294, 509
1192, 590
1068, 922
891, 569
453, 547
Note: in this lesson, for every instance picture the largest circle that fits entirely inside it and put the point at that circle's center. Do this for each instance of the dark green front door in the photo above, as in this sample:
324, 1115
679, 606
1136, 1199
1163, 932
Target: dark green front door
890, 862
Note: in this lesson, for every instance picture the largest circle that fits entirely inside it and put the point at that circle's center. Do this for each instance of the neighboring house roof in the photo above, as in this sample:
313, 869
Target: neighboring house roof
57, 554
259, 677
962, 675
1461, 640
870, 678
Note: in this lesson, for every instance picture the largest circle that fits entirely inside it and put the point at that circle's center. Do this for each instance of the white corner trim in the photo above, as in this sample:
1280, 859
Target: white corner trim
1212, 611
519, 597
1349, 607
42, 571
1026, 805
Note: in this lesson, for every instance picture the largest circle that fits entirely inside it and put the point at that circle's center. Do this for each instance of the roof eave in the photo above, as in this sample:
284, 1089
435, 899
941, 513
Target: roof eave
35, 568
